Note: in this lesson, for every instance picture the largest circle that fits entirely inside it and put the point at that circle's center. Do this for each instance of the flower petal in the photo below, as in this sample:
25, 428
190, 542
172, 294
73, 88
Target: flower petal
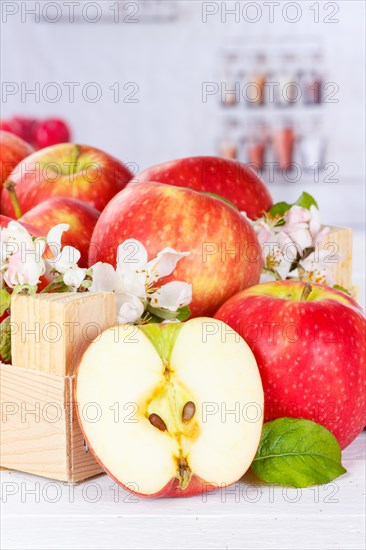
297, 214
131, 254
54, 237
74, 276
128, 308
104, 278
172, 296
314, 224
131, 268
23, 270
301, 237
68, 257
164, 264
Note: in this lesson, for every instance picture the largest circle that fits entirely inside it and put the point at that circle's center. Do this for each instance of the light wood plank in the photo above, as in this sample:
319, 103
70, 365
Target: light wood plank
53, 330
339, 241
34, 443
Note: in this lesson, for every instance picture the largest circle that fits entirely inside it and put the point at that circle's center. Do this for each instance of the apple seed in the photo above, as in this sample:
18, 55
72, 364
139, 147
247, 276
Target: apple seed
157, 422
188, 411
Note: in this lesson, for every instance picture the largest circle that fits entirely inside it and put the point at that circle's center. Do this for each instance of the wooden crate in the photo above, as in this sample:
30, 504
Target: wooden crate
40, 433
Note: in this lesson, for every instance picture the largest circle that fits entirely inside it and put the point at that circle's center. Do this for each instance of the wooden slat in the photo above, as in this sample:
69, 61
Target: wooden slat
37, 444
52, 331
339, 240
33, 444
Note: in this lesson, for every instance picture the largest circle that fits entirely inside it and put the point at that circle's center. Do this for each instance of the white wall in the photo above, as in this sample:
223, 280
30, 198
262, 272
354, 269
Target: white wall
169, 62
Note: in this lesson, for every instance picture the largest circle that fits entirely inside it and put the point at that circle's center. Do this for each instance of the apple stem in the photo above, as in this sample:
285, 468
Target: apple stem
75, 156
305, 292
10, 187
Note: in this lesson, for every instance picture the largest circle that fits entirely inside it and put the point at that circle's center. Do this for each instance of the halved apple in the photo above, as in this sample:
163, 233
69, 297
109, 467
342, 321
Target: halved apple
171, 409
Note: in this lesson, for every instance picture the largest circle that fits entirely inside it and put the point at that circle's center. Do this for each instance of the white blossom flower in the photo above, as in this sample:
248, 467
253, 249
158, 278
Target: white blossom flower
21, 261
23, 270
285, 238
74, 276
136, 273
65, 260
104, 278
297, 226
129, 308
317, 269
134, 281
280, 253
172, 296
317, 233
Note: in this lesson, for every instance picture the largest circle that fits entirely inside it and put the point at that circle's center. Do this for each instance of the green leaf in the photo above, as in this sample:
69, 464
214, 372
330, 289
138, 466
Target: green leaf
183, 313
215, 196
164, 314
279, 209
298, 453
306, 200
339, 287
5, 340
4, 301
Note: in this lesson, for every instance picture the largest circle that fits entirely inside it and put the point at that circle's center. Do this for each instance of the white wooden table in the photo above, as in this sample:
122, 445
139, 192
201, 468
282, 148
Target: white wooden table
41, 514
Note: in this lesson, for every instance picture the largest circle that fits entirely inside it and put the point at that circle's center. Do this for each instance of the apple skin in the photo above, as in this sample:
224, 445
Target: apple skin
44, 174
21, 126
230, 179
50, 132
13, 149
196, 486
162, 216
32, 229
79, 215
317, 371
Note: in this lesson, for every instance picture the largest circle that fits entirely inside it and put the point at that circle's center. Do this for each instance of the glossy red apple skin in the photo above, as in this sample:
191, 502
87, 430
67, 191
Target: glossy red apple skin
79, 215
224, 251
45, 174
310, 354
230, 179
32, 229
23, 127
13, 149
11, 126
51, 132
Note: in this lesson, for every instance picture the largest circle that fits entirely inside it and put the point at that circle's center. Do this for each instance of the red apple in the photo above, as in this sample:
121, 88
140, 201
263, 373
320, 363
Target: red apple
80, 216
69, 170
21, 126
12, 150
35, 231
228, 178
310, 352
50, 132
225, 255
179, 409
11, 126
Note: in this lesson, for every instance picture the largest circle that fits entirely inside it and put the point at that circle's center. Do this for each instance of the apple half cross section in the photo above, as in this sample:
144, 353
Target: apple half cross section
171, 409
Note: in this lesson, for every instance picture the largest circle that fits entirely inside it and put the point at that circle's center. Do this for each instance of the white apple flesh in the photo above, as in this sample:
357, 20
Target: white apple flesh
190, 404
